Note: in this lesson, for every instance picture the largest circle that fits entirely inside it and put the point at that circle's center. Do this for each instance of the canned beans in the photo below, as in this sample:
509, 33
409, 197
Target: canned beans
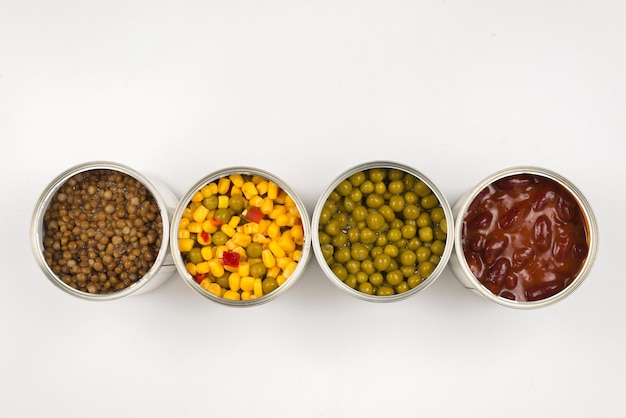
524, 237
102, 231
382, 231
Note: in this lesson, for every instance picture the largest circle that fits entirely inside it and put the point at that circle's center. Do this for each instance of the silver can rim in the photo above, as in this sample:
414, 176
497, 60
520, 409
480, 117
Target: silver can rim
442, 201
43, 202
588, 216
215, 175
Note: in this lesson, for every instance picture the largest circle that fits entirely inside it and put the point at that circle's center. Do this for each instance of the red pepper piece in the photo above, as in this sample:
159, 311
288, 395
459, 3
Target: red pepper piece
204, 235
199, 277
215, 222
230, 259
253, 214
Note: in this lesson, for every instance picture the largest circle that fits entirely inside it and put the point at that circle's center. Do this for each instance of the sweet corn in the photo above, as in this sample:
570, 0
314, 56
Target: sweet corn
202, 268
214, 288
241, 239
222, 202
205, 283
237, 180
223, 185
297, 232
268, 258
256, 201
194, 227
277, 211
262, 186
216, 267
191, 268
206, 191
235, 190
209, 227
243, 269
233, 281
186, 213
280, 280
276, 249
283, 262
283, 220
273, 230
272, 190
184, 233
197, 197
250, 228
231, 295
228, 230
258, 287
207, 253
288, 271
267, 206
234, 221
247, 284
183, 223
199, 215
185, 244
245, 295
249, 189
289, 203
297, 255
273, 272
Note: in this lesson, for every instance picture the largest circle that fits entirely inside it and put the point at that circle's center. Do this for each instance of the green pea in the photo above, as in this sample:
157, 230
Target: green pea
210, 202
407, 271
411, 198
421, 189
429, 202
408, 258
380, 188
382, 262
366, 288
342, 219
349, 204
396, 224
375, 221
342, 255
426, 234
219, 238
325, 216
387, 213
376, 279
367, 266
396, 203
254, 250
374, 201
236, 203
357, 179
437, 215
351, 281
223, 281
394, 277
443, 224
195, 255
222, 215
395, 174
269, 284
353, 235
402, 287
437, 247
408, 231
339, 271
411, 212
327, 251
339, 240
435, 259
384, 291
376, 251
334, 196
344, 188
423, 219
362, 277
391, 250
324, 237
396, 187
353, 266
425, 268
439, 234
367, 236
330, 206
359, 252
423, 254
332, 228
382, 240
409, 181
366, 187
394, 235
377, 174
359, 212
356, 195
257, 270
414, 281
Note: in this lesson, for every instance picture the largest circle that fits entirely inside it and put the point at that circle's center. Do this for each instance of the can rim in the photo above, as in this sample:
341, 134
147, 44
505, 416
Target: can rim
43, 202
245, 170
588, 216
407, 169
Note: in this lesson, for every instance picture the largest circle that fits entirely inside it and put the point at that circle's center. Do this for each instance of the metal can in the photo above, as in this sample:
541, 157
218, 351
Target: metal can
412, 268
304, 245
538, 238
162, 267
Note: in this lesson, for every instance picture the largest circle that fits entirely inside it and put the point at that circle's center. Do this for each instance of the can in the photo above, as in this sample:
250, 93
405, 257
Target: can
162, 267
301, 252
541, 237
362, 291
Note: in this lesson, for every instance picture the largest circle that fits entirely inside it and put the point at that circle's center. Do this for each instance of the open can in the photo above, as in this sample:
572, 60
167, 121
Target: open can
526, 237
103, 222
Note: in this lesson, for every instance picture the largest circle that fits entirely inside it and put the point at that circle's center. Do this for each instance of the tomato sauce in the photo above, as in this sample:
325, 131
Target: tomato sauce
524, 237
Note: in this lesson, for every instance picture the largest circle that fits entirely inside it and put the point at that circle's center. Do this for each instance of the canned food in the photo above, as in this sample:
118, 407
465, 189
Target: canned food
381, 231
525, 238
242, 237
100, 231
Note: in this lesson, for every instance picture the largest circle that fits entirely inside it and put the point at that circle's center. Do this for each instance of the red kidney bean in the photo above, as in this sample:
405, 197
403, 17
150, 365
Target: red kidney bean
563, 244
498, 271
543, 233
478, 200
495, 245
580, 250
543, 290
511, 281
514, 182
544, 196
481, 221
565, 209
475, 263
514, 215
521, 256
477, 243
507, 295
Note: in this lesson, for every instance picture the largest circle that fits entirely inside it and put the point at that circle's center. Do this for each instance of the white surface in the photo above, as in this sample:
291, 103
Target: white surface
457, 89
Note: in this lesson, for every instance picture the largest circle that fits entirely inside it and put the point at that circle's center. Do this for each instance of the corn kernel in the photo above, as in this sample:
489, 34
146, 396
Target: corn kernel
273, 272
297, 255
206, 191
183, 223
185, 244
262, 187
251, 228
261, 239
207, 253
283, 262
276, 249
197, 197
258, 287
191, 268
283, 220
273, 231
202, 268
235, 190
222, 202
234, 221
231, 295
280, 199
209, 226
216, 267
237, 179
205, 283
228, 230
194, 227
277, 211
263, 225
183, 233
242, 239
199, 215
249, 190
245, 295
186, 213
289, 203
256, 179
297, 232
272, 190
215, 289
233, 281
219, 250
243, 269
256, 201
268, 258
291, 267
247, 284
280, 280
223, 184
267, 206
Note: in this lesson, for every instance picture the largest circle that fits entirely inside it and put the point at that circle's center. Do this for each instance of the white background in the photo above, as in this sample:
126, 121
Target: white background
307, 89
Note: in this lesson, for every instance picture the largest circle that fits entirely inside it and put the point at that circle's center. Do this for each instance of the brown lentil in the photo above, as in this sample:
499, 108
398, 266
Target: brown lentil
102, 231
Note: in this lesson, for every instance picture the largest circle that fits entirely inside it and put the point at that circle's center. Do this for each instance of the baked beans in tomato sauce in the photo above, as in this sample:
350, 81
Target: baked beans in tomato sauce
524, 237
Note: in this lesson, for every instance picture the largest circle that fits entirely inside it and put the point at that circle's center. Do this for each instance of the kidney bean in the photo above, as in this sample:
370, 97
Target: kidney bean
562, 247
514, 215
481, 221
580, 250
514, 182
507, 295
480, 197
565, 209
544, 196
543, 233
511, 281
521, 256
495, 245
542, 290
498, 271
477, 243
475, 263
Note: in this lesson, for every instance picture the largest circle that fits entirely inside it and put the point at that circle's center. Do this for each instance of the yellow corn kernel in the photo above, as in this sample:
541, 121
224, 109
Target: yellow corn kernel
199, 215
202, 268
297, 255
209, 226
237, 179
231, 295
207, 253
183, 233
276, 249
219, 250
245, 295
283, 262
194, 205
297, 232
233, 281
273, 272
243, 269
256, 179
223, 185
289, 202
222, 201
272, 190
214, 288
250, 228
246, 284
262, 186
205, 283
273, 231
263, 225
191, 268
235, 190
280, 199
281, 279
261, 239
242, 239
197, 197
234, 221
256, 201
194, 227
268, 258
228, 230
277, 211
291, 267
267, 206
185, 244
242, 253
283, 220
216, 267
206, 191
186, 214
249, 189
203, 238
183, 223
258, 287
